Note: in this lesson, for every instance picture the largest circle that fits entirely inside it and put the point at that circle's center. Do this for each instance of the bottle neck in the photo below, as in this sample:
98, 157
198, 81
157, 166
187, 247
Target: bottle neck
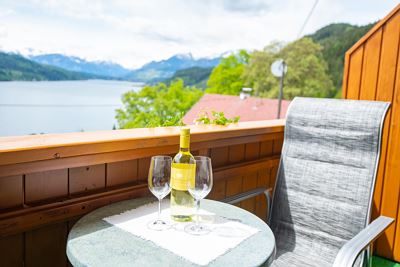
184, 142
184, 149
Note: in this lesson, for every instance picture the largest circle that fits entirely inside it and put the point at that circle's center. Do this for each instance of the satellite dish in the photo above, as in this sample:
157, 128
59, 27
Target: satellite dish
278, 68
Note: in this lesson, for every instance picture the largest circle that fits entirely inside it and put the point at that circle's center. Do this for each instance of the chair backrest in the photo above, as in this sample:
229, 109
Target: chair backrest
326, 177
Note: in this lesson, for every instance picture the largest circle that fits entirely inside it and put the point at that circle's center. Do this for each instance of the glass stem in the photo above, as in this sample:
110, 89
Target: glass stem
197, 212
159, 209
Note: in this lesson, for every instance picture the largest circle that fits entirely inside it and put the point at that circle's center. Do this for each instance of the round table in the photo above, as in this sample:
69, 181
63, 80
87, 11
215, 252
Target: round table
94, 242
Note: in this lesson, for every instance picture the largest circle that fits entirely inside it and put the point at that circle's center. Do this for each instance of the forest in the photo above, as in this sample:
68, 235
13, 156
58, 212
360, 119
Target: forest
315, 69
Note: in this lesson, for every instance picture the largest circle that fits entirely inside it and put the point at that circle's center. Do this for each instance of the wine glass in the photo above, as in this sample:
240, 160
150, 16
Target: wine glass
159, 184
199, 189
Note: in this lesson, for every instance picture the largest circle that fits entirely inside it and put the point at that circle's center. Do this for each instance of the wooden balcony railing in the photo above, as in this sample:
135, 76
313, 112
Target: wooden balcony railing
47, 182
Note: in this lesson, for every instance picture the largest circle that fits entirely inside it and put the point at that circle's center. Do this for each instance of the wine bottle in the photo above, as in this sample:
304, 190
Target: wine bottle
182, 171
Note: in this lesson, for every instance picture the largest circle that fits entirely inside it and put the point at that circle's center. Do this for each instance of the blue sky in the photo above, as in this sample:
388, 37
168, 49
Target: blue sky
134, 32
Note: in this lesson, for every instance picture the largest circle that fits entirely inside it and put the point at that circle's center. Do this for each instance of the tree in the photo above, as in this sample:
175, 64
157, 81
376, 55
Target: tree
158, 105
335, 40
307, 71
226, 77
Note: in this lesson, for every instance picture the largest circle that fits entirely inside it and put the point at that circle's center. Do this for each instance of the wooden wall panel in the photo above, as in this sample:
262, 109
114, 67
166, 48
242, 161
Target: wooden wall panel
12, 250
83, 179
386, 81
249, 183
236, 153
143, 169
266, 148
218, 190
122, 172
46, 246
219, 156
41, 204
46, 185
252, 152
370, 71
234, 184
380, 80
353, 83
263, 180
11, 191
392, 173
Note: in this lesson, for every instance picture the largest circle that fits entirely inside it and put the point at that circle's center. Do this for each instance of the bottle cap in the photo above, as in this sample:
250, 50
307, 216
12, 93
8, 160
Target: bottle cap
185, 137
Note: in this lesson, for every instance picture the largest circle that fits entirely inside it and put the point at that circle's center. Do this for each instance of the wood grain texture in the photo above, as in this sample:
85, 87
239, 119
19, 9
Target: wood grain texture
263, 181
380, 24
218, 191
59, 146
11, 192
380, 72
386, 82
38, 216
266, 148
219, 156
85, 176
84, 179
277, 146
249, 183
122, 172
123, 155
46, 246
12, 251
234, 186
46, 185
354, 76
370, 71
236, 153
252, 151
143, 169
393, 170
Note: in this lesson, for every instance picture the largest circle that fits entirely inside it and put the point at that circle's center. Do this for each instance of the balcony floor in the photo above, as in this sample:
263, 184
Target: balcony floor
381, 262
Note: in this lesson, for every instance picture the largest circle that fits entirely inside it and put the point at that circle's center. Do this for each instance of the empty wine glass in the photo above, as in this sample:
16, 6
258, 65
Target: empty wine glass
159, 184
199, 189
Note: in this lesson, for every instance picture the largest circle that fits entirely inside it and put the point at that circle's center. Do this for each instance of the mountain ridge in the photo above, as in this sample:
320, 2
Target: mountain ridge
73, 63
155, 71
14, 67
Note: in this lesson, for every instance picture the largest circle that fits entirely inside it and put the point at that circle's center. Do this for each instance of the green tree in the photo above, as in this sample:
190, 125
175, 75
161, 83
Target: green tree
158, 105
335, 40
307, 71
226, 78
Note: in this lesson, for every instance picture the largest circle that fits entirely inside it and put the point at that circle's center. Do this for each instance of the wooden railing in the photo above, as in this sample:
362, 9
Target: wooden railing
372, 72
47, 182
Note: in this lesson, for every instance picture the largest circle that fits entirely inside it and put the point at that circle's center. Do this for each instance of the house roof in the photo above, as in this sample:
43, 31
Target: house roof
249, 109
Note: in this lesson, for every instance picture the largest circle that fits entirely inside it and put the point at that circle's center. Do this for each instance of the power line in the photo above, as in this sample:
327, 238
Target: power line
307, 19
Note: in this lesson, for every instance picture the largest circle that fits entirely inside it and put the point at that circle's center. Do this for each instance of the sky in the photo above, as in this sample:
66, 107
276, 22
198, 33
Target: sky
134, 32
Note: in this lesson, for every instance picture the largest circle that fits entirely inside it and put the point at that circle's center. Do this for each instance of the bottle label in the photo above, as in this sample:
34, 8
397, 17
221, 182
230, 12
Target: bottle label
181, 174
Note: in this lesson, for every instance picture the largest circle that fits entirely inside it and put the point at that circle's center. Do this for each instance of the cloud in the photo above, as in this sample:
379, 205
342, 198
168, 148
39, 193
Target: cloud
246, 6
133, 33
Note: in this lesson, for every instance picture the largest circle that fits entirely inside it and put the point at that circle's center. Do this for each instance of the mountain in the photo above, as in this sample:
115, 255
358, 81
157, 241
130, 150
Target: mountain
14, 67
335, 40
193, 76
164, 69
80, 65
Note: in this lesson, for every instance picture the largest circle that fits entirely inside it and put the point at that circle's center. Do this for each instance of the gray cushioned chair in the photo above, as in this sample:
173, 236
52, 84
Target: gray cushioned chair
322, 201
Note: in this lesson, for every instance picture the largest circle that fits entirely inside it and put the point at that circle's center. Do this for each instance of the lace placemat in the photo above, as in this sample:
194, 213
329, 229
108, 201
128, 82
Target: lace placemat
225, 233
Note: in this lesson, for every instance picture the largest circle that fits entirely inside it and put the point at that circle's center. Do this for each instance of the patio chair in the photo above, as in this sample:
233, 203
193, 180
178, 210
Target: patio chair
322, 199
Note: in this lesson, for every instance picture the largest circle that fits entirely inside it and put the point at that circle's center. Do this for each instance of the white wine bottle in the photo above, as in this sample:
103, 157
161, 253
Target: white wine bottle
182, 171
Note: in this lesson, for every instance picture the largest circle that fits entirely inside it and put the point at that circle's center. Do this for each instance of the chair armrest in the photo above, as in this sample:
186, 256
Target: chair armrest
252, 193
268, 195
351, 249
243, 196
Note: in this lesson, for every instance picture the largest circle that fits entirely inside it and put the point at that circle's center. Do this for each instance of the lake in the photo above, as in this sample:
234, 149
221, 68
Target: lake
60, 106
